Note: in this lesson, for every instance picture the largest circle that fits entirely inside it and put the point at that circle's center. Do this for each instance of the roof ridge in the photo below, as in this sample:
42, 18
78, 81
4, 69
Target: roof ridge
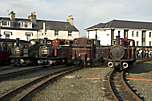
132, 21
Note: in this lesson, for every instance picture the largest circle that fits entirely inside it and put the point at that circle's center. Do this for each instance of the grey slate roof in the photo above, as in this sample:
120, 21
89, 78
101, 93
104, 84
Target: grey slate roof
123, 24
56, 25
52, 25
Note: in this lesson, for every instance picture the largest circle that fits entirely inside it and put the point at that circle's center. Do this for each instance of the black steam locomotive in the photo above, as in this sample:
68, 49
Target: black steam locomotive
34, 52
122, 54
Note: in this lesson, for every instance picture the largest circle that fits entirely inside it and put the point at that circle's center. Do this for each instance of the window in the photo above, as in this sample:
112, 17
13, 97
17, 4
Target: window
118, 33
132, 33
20, 23
149, 43
28, 35
137, 43
7, 34
149, 34
56, 33
137, 34
25, 24
69, 33
4, 22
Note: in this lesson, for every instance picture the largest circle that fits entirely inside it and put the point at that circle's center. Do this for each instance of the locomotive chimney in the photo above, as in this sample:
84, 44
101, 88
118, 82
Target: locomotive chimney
117, 40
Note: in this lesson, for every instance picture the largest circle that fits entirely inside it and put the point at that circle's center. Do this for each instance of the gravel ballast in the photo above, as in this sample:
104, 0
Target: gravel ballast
141, 77
83, 85
12, 83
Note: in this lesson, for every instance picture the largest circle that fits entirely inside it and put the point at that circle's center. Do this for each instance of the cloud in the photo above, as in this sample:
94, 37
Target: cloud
85, 12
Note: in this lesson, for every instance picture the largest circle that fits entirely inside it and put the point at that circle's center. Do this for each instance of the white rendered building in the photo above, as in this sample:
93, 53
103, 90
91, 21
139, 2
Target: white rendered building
31, 28
141, 32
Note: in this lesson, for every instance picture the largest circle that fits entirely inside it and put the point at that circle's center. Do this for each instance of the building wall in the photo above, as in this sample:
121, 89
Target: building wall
18, 34
104, 35
50, 34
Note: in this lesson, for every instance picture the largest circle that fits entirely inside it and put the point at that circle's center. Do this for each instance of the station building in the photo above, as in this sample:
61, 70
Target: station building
33, 28
141, 32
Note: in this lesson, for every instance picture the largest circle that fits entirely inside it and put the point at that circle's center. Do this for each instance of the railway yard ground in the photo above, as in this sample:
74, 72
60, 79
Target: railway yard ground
83, 85
140, 77
86, 84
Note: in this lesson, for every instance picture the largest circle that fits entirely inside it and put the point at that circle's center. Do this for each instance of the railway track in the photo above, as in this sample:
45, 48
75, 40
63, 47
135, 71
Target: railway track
117, 88
121, 91
14, 72
23, 91
8, 67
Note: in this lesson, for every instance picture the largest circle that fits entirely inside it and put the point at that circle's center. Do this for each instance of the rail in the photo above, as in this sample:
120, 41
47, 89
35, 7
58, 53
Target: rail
23, 91
121, 91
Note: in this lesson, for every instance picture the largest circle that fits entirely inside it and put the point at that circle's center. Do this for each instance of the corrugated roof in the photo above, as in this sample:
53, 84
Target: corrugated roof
123, 24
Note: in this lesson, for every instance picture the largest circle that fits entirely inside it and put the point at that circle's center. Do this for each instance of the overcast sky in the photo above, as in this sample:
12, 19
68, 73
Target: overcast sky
86, 12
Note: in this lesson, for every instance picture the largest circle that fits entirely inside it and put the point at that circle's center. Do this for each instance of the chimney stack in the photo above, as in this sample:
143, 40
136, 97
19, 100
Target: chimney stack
32, 17
70, 19
12, 15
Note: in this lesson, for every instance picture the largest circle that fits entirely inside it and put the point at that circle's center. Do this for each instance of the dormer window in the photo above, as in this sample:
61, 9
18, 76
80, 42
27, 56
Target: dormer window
5, 23
25, 24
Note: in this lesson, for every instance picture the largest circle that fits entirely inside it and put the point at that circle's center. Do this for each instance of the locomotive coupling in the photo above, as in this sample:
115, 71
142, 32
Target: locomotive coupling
110, 64
125, 65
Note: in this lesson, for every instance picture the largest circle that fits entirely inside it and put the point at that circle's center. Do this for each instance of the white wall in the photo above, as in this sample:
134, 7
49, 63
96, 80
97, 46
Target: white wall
18, 33
103, 35
91, 34
105, 39
50, 34
148, 38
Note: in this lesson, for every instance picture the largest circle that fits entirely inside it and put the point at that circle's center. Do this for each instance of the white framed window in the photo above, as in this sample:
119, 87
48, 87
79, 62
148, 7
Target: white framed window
132, 33
137, 43
28, 35
25, 24
56, 33
69, 33
149, 34
149, 43
137, 34
7, 34
5, 23
118, 33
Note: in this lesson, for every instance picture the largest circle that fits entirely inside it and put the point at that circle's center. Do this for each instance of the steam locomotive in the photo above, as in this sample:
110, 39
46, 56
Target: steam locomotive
6, 46
34, 52
82, 51
122, 54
